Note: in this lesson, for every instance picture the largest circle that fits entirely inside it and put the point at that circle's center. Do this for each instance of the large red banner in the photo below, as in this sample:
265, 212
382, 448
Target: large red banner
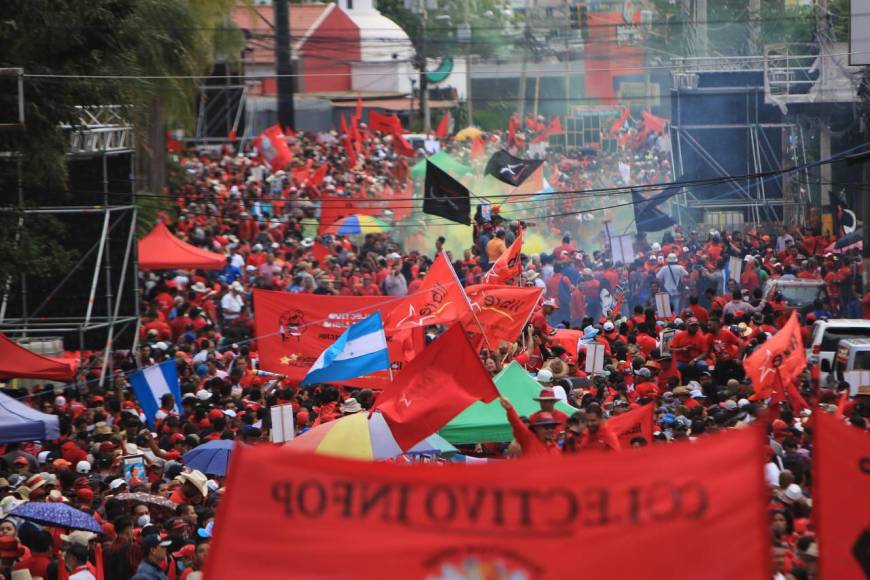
671, 512
293, 329
841, 508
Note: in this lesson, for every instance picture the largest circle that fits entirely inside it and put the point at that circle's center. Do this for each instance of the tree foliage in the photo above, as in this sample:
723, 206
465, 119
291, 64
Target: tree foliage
101, 50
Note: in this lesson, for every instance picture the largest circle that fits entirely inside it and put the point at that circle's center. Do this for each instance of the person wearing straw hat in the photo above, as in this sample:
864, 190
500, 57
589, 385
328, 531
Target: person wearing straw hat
193, 489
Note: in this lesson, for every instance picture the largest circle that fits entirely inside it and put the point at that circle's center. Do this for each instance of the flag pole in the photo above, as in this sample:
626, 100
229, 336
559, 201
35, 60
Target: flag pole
467, 301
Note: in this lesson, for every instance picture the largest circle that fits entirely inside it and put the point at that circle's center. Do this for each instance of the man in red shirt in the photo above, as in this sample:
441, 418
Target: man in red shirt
538, 439
689, 347
725, 350
547, 399
598, 436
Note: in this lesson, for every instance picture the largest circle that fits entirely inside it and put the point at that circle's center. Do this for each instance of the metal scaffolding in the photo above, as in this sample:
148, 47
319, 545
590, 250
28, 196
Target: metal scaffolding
751, 196
97, 133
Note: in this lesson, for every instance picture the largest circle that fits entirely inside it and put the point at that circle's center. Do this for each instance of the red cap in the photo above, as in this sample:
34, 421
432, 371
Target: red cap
780, 425
215, 414
205, 423
85, 494
20, 460
188, 551
176, 437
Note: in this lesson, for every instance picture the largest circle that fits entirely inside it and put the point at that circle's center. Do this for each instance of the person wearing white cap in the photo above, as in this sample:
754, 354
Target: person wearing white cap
233, 302
83, 467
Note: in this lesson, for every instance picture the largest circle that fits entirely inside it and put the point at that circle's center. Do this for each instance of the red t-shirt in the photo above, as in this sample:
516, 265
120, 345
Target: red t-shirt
697, 344
723, 345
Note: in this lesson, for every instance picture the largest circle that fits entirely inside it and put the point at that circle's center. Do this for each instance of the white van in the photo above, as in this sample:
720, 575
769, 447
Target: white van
852, 363
826, 337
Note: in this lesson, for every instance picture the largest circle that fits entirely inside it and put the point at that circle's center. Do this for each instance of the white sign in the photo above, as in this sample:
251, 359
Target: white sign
622, 249
735, 268
663, 305
283, 428
594, 357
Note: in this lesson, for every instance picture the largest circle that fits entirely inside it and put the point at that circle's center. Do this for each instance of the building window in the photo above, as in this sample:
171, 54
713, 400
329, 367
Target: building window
350, 4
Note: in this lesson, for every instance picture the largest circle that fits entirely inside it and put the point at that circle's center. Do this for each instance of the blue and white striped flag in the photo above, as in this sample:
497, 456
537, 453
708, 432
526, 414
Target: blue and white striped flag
360, 350
150, 384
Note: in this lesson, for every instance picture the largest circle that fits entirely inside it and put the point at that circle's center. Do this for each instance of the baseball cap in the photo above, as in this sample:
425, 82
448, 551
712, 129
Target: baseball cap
116, 483
83, 467
151, 541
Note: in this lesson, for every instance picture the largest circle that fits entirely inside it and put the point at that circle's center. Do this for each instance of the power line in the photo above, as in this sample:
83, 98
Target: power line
731, 60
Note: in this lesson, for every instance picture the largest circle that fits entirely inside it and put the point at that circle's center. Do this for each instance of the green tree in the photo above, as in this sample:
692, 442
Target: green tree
97, 53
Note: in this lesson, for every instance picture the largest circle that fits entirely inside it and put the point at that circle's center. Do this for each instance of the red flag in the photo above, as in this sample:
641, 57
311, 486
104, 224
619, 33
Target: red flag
440, 300
668, 511
232, 135
620, 122
513, 125
403, 147
300, 174
568, 339
342, 124
294, 329
443, 128
478, 149
389, 124
349, 149
333, 207
638, 422
500, 311
273, 148
508, 266
435, 387
554, 128
840, 499
320, 252
173, 145
359, 109
777, 361
318, 176
653, 124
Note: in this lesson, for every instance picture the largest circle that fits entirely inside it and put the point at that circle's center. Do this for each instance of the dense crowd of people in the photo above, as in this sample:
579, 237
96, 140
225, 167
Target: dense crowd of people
158, 524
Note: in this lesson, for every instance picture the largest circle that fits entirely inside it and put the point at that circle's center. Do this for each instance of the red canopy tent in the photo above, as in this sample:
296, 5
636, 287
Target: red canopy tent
160, 250
16, 362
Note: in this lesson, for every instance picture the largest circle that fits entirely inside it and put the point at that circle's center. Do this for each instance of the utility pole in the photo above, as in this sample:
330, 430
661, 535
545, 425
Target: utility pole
524, 70
464, 35
284, 64
424, 80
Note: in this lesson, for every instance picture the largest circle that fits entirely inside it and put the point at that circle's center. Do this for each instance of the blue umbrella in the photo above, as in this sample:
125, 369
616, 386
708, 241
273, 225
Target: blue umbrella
57, 515
212, 458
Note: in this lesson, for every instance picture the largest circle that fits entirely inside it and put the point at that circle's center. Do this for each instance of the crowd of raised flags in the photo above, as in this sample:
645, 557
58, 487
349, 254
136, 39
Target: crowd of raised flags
556, 356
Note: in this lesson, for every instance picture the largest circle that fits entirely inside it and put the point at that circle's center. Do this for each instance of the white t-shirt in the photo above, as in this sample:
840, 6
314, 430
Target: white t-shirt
83, 574
232, 305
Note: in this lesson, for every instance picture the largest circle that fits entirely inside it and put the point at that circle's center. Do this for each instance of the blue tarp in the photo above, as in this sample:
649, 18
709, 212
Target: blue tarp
18, 422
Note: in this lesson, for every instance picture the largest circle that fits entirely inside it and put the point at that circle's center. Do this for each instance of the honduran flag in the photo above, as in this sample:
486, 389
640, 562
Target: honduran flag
360, 350
152, 383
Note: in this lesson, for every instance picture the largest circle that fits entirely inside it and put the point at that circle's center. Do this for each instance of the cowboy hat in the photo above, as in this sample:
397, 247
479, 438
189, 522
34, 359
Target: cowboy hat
78, 537
350, 406
199, 288
195, 478
542, 419
547, 394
